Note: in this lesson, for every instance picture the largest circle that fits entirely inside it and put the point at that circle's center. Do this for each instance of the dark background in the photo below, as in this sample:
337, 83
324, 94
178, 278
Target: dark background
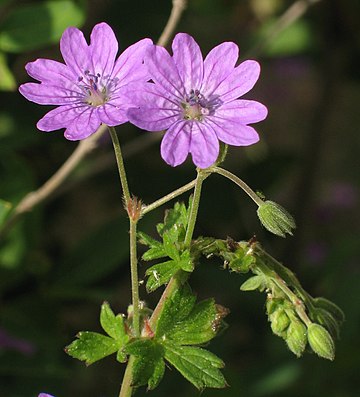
62, 260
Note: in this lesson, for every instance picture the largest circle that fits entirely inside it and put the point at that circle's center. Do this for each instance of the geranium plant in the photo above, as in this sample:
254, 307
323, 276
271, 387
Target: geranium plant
197, 102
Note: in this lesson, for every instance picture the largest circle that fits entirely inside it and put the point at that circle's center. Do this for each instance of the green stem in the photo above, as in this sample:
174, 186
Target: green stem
134, 279
240, 183
201, 176
126, 388
270, 270
120, 165
168, 197
180, 277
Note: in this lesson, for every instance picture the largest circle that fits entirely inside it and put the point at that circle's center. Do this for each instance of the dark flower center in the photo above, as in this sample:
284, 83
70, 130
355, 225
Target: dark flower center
195, 106
96, 93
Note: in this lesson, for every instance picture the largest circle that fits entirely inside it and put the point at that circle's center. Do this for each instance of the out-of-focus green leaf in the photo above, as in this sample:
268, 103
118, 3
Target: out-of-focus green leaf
5, 208
293, 40
97, 255
31, 26
7, 80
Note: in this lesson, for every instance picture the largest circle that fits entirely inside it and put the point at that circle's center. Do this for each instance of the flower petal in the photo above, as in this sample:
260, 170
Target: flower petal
175, 143
239, 82
84, 125
204, 145
51, 72
103, 48
218, 64
130, 66
45, 94
163, 71
112, 115
75, 51
151, 110
188, 60
60, 117
233, 133
241, 111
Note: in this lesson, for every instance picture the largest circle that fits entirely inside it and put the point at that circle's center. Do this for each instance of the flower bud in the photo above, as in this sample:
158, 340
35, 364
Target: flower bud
275, 218
279, 322
321, 341
296, 338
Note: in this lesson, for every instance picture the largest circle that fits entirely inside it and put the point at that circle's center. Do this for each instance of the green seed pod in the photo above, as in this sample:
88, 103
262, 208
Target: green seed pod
279, 322
296, 337
321, 342
275, 218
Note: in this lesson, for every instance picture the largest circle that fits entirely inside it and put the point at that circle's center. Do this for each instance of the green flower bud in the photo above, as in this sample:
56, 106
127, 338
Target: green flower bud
321, 341
279, 322
296, 337
275, 218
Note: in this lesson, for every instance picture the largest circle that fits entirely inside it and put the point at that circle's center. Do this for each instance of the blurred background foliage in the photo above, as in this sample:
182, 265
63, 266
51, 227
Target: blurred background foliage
68, 255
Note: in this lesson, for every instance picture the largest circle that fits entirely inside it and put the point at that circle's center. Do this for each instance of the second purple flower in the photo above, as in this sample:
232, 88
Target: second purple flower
196, 100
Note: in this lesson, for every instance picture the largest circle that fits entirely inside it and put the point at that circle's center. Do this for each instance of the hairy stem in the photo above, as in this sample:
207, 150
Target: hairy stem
120, 165
194, 207
180, 277
239, 182
168, 197
282, 277
126, 387
134, 279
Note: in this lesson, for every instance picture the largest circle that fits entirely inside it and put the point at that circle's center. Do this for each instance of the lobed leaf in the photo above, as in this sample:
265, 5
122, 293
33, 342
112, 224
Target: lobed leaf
91, 347
160, 274
198, 366
113, 325
176, 308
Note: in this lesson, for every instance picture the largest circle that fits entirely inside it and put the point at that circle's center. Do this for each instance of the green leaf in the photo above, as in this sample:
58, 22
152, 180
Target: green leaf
7, 79
31, 26
186, 262
198, 366
175, 221
5, 208
149, 366
160, 274
156, 249
253, 283
91, 347
176, 308
198, 327
169, 244
113, 325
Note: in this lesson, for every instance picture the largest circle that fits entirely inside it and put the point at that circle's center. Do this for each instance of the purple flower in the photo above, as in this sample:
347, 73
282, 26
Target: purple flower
45, 395
88, 87
195, 100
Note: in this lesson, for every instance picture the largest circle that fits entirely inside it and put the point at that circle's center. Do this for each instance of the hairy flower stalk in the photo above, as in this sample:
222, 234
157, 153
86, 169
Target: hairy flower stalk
196, 101
88, 88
